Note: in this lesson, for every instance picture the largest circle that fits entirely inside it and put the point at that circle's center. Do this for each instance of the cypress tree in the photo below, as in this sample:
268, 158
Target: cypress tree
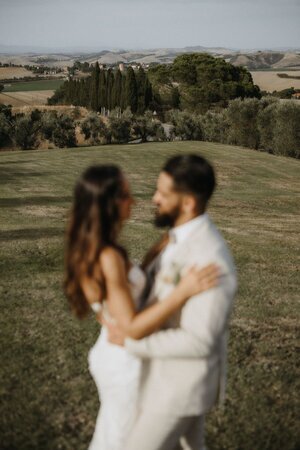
78, 92
131, 93
175, 97
123, 93
83, 93
102, 90
148, 93
95, 87
109, 88
141, 87
87, 91
70, 91
117, 90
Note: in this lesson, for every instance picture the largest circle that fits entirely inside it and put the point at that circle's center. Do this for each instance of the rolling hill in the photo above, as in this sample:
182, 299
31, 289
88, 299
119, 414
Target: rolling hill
253, 60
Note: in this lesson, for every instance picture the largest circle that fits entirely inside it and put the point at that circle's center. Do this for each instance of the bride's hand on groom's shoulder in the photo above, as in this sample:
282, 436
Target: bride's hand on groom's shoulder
198, 280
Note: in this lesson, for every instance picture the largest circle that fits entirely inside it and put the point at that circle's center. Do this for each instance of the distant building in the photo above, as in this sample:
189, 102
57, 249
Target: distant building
121, 67
296, 96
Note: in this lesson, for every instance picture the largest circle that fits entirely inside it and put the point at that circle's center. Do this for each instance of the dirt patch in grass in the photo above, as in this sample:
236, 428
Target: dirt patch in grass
235, 231
40, 211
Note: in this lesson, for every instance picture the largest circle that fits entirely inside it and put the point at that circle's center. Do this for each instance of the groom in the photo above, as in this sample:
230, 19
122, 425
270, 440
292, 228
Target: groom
183, 369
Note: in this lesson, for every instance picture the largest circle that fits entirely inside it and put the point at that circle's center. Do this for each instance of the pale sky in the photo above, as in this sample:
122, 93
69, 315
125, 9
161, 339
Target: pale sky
132, 24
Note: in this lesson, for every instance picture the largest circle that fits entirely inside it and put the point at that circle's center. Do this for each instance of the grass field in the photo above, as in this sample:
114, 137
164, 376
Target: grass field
48, 400
30, 86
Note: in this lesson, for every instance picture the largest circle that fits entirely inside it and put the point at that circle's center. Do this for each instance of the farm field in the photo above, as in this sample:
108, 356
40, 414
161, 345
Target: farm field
40, 85
29, 93
269, 81
26, 98
14, 72
48, 399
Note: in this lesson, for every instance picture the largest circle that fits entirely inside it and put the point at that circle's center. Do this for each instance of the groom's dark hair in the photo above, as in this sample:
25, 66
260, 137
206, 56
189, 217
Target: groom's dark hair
192, 174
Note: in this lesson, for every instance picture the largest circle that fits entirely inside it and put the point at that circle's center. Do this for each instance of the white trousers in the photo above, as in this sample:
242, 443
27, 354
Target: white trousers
162, 432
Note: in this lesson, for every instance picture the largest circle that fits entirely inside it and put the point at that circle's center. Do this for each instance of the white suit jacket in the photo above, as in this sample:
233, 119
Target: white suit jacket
183, 370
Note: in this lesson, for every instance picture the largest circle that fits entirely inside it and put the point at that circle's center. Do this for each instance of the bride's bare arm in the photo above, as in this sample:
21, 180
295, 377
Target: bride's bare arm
121, 305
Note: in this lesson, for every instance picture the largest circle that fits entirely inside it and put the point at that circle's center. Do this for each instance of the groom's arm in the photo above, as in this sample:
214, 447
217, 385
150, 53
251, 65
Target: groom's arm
203, 320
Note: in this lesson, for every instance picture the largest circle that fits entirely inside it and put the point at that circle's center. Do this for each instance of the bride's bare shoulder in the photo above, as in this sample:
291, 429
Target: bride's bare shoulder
112, 262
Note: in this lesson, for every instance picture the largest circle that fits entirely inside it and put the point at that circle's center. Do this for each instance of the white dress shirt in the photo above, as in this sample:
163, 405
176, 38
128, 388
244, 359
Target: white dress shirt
178, 235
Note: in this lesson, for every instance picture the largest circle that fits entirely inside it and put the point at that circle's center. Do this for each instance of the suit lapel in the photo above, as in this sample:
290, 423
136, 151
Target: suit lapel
169, 273
185, 248
180, 258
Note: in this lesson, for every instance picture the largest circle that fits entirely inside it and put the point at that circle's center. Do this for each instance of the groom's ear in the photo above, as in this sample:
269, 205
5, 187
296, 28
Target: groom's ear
189, 204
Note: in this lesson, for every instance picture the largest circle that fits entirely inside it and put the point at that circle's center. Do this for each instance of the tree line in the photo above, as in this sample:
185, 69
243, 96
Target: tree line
29, 130
266, 125
194, 82
107, 90
203, 98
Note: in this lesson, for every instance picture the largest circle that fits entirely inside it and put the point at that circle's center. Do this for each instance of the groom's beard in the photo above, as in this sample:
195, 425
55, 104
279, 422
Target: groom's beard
166, 219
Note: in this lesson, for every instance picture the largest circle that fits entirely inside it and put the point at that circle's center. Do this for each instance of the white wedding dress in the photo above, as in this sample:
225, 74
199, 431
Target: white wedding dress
116, 374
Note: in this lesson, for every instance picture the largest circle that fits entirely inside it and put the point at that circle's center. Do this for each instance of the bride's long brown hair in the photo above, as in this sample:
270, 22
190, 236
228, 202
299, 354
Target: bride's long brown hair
94, 224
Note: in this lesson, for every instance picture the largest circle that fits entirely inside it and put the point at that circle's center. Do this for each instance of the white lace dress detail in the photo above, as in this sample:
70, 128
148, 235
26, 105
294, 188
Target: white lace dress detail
116, 374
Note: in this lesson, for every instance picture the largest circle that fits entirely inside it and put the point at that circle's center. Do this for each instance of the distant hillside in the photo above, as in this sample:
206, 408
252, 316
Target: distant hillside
252, 59
266, 60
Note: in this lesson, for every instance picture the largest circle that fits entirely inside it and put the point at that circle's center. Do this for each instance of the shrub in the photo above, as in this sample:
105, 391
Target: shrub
160, 134
49, 123
59, 129
145, 127
64, 133
266, 124
286, 139
120, 126
27, 129
242, 122
6, 124
215, 126
94, 129
187, 126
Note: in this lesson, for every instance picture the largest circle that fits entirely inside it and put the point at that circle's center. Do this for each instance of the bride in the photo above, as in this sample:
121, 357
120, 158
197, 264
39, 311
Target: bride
100, 276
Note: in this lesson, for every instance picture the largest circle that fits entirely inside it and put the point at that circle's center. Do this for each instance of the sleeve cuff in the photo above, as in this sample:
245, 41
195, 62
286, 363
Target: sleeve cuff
136, 347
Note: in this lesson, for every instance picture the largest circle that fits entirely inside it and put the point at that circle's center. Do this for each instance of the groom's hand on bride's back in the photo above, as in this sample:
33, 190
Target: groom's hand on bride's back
116, 334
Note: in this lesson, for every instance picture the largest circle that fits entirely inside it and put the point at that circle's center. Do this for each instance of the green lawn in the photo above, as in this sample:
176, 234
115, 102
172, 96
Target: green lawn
48, 400
41, 85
